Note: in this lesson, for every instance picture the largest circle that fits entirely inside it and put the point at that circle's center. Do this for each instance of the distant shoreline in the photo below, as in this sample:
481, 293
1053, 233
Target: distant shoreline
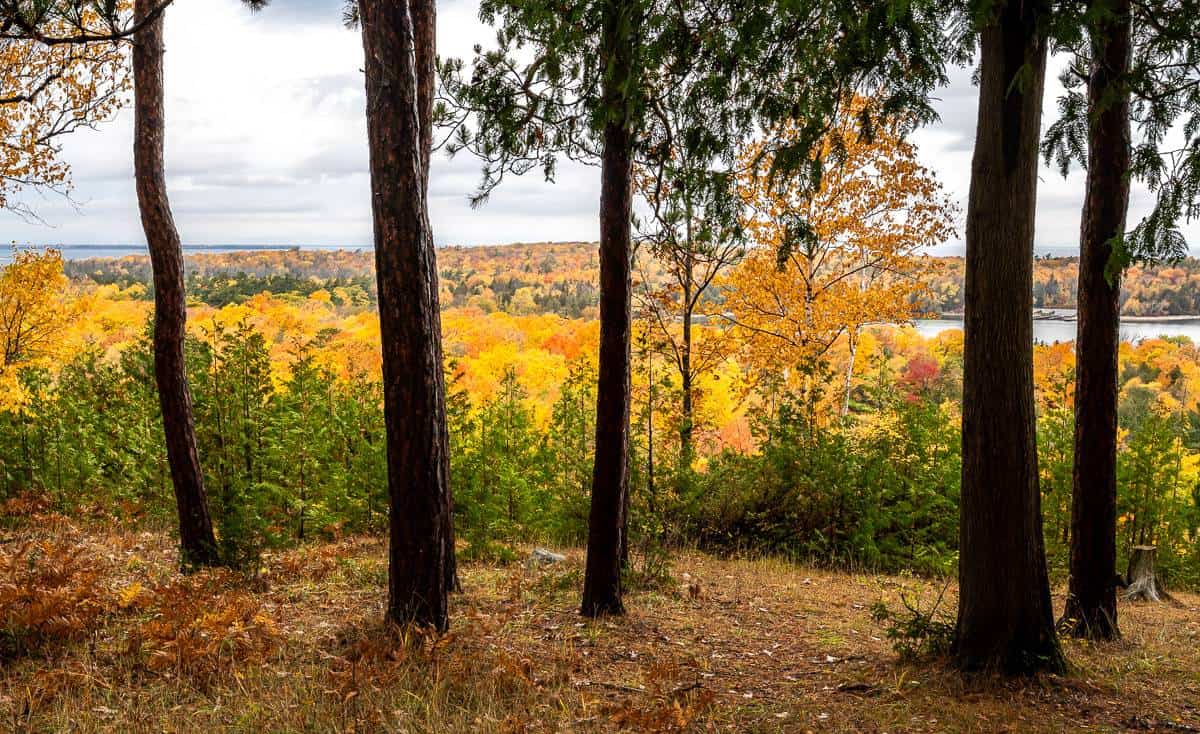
1067, 315
84, 256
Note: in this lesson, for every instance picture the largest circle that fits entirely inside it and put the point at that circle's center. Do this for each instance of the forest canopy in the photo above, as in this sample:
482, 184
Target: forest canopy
561, 278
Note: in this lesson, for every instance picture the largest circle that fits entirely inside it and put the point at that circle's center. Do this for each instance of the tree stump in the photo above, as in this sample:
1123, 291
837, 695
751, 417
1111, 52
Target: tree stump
1143, 585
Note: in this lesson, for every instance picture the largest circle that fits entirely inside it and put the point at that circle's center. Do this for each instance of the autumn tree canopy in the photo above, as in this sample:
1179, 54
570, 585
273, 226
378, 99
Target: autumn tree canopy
33, 315
63, 67
47, 92
825, 265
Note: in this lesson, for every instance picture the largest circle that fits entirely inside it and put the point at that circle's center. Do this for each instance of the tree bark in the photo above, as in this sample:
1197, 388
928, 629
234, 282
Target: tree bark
1092, 599
197, 543
424, 15
1143, 582
606, 520
409, 316
1005, 619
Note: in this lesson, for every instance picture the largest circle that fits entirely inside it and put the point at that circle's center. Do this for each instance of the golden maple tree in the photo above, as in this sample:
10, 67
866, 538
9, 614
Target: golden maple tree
34, 312
826, 263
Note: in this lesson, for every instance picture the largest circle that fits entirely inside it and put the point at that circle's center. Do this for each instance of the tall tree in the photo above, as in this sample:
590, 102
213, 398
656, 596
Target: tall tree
395, 37
619, 67
1092, 597
576, 81
581, 97
424, 14
1005, 619
1119, 77
826, 263
693, 231
197, 542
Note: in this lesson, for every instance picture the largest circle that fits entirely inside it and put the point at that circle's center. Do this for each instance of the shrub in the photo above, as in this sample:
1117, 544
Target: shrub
881, 494
48, 592
917, 633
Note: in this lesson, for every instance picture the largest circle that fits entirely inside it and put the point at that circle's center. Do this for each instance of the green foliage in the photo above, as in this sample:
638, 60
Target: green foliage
570, 442
885, 500
1154, 504
917, 633
513, 480
1164, 89
1056, 451
300, 455
231, 384
687, 80
221, 290
282, 463
87, 438
497, 471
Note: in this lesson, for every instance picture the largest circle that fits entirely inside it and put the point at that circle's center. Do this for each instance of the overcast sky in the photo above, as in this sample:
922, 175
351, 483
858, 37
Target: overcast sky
266, 144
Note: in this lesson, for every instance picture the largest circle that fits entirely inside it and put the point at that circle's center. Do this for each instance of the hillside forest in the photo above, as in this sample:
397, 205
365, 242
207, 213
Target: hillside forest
286, 382
561, 278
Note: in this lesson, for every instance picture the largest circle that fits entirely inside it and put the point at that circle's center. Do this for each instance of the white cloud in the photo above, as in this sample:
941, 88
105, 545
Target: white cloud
266, 144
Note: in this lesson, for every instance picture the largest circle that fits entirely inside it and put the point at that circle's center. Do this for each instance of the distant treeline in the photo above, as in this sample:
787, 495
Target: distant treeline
1164, 290
528, 278
561, 278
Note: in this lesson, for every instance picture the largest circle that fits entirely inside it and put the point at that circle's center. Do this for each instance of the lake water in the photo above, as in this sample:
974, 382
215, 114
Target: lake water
1050, 331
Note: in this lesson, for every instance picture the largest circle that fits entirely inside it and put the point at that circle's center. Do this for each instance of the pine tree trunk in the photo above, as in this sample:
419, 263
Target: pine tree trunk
688, 427
1005, 619
409, 317
1092, 599
197, 543
424, 15
606, 520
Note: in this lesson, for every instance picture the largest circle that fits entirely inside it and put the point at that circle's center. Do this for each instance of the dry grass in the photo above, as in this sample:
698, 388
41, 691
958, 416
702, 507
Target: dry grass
752, 646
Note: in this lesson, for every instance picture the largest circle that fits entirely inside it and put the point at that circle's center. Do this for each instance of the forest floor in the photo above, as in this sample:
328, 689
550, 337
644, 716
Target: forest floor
98, 633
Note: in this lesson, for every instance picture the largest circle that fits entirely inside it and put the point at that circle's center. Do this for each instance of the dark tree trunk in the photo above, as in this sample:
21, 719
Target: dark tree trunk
1005, 618
424, 21
1092, 600
198, 546
424, 15
410, 321
606, 520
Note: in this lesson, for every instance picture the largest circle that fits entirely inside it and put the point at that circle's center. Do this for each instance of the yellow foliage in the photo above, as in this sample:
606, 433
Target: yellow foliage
857, 259
47, 91
34, 312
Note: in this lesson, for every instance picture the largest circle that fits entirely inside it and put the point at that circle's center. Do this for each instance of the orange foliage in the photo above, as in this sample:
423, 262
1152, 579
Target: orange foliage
48, 592
203, 626
855, 260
